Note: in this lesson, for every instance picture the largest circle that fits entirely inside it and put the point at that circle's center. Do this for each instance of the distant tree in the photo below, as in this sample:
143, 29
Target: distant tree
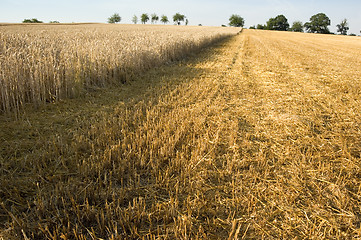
53, 22
236, 21
223, 25
144, 18
187, 22
279, 23
318, 24
33, 20
260, 26
352, 34
252, 27
297, 26
135, 19
154, 18
164, 19
178, 18
115, 18
343, 27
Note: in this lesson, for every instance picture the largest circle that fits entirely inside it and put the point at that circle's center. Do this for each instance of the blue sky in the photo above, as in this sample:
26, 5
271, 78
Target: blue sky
206, 12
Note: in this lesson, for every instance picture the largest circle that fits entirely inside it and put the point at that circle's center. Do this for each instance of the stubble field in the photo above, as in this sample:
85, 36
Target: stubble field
257, 137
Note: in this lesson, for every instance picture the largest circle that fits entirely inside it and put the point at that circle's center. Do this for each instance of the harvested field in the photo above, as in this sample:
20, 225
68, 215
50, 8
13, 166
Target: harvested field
258, 137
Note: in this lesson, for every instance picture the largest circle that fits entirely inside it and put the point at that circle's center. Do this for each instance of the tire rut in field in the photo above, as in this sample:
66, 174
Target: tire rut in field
236, 55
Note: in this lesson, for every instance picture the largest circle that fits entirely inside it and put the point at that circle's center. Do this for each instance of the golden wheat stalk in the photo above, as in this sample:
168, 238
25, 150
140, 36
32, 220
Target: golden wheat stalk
46, 63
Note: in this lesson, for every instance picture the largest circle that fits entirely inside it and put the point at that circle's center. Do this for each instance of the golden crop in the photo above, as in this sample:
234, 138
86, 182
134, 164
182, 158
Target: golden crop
257, 137
49, 62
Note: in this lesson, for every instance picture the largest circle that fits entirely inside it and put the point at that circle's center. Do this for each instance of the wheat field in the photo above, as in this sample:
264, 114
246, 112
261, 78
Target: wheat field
256, 137
43, 63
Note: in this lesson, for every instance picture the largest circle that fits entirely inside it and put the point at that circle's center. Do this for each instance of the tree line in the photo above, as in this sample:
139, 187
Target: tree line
154, 18
318, 23
35, 20
144, 18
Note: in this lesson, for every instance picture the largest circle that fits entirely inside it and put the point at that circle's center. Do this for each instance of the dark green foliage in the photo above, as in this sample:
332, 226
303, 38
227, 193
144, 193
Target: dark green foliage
279, 23
318, 24
115, 18
33, 20
154, 18
177, 18
260, 26
297, 26
236, 21
164, 19
144, 18
343, 27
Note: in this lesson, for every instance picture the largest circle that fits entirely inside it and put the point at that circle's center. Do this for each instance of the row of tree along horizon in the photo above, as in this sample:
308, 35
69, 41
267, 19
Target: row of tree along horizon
318, 23
154, 18
144, 18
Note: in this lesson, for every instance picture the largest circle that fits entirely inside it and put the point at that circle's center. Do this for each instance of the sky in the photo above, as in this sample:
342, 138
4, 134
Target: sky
205, 12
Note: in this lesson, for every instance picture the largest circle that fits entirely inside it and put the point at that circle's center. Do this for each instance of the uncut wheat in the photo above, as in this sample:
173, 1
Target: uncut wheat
44, 63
